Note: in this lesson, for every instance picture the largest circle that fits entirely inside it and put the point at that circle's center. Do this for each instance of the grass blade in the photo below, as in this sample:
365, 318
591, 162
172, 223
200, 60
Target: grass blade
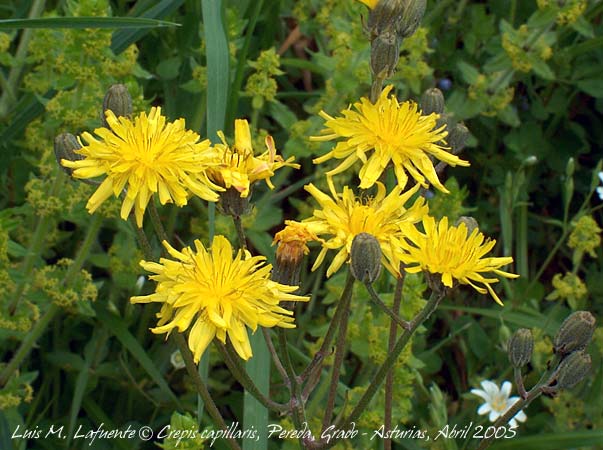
85, 22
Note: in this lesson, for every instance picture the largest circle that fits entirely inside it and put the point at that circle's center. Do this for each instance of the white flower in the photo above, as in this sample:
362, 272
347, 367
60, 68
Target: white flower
600, 188
177, 360
497, 401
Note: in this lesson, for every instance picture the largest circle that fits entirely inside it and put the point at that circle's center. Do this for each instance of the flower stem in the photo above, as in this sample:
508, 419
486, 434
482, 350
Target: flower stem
389, 379
238, 223
339, 355
211, 407
275, 358
424, 314
517, 406
316, 362
42, 324
377, 300
156, 221
243, 377
143, 241
35, 245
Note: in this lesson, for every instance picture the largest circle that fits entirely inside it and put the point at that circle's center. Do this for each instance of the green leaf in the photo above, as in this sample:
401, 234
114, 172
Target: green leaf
468, 72
541, 68
584, 27
593, 87
119, 329
85, 22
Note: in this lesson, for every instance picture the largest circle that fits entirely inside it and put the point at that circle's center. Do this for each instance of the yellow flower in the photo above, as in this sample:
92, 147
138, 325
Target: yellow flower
220, 293
370, 3
145, 157
238, 167
396, 132
454, 253
294, 235
344, 216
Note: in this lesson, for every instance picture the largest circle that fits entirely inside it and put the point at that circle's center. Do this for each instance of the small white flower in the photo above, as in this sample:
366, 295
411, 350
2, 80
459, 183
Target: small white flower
600, 188
177, 360
497, 401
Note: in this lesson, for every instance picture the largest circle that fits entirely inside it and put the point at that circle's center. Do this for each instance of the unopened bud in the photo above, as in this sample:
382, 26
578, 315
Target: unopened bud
530, 160
432, 101
573, 369
385, 52
457, 137
575, 333
365, 258
118, 100
65, 145
520, 347
413, 14
469, 222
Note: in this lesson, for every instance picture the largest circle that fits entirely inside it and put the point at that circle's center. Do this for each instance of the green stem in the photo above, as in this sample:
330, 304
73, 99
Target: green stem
211, 407
275, 358
156, 221
36, 243
504, 419
14, 76
389, 379
142, 240
42, 324
244, 379
389, 362
319, 357
27, 344
238, 223
377, 300
339, 356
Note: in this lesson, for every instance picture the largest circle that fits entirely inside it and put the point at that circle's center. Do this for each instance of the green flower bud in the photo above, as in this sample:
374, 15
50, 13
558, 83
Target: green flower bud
573, 369
432, 101
365, 258
65, 145
520, 347
413, 14
457, 137
575, 333
118, 100
385, 52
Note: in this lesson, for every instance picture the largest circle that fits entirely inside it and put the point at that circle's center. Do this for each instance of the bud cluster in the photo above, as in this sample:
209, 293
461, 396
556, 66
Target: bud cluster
389, 22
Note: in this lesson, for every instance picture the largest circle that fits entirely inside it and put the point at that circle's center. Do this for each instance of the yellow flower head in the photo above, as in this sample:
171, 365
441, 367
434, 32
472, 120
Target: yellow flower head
370, 3
295, 235
220, 293
146, 156
239, 168
395, 132
344, 215
454, 253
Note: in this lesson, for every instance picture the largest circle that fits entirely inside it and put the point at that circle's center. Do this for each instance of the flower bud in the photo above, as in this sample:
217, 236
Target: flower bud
232, 204
520, 347
573, 369
575, 333
365, 258
530, 160
457, 137
65, 145
118, 100
413, 14
570, 167
432, 101
385, 52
